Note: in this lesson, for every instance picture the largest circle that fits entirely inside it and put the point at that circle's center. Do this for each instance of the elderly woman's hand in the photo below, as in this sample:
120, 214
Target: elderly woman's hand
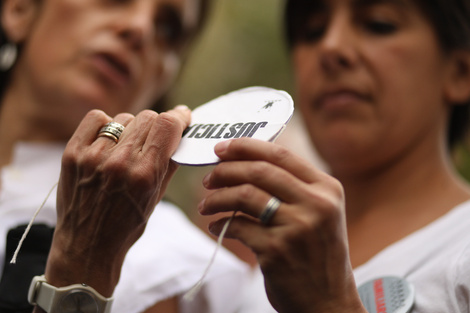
107, 191
302, 249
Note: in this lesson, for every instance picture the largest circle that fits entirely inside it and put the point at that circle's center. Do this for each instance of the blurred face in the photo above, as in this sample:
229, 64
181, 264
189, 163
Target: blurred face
114, 55
371, 78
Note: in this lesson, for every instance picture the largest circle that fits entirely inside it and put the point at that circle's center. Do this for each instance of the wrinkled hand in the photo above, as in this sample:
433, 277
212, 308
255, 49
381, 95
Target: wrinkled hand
303, 251
107, 191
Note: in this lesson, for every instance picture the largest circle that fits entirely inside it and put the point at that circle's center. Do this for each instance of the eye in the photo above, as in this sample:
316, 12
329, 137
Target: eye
118, 1
312, 34
306, 20
380, 27
311, 30
381, 19
169, 27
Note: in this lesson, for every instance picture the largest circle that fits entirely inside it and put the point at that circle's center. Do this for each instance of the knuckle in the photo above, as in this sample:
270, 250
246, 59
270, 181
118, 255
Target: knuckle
335, 186
323, 208
69, 158
114, 167
240, 145
304, 224
168, 121
142, 180
259, 170
124, 116
276, 248
327, 195
89, 159
326, 206
118, 172
280, 154
95, 113
245, 192
148, 114
97, 116
328, 212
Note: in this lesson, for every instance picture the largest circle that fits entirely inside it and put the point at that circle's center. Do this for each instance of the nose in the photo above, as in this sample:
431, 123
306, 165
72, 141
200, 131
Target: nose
338, 45
136, 26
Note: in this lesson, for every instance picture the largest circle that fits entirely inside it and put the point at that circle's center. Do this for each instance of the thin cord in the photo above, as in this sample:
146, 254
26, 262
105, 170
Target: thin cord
26, 231
189, 296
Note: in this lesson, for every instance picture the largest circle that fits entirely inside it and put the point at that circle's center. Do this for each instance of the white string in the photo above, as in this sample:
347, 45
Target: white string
189, 296
26, 231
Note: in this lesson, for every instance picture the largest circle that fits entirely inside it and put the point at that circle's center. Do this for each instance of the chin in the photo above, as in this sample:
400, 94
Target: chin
91, 94
92, 101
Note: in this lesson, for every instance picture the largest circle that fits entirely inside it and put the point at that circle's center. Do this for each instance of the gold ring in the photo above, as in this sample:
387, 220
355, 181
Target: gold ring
111, 130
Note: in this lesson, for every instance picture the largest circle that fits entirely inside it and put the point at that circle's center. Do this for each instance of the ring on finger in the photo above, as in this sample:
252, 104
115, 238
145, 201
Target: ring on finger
111, 130
269, 210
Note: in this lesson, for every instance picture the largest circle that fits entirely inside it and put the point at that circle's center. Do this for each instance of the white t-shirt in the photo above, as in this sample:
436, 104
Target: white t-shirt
434, 259
167, 260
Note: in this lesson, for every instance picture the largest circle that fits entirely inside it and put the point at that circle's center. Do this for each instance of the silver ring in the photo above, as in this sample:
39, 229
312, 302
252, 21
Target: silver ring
111, 130
269, 210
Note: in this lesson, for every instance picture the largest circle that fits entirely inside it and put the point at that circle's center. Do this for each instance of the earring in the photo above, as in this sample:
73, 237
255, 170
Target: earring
8, 53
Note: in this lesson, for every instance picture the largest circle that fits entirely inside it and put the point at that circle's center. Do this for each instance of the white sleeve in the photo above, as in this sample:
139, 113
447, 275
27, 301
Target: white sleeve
169, 259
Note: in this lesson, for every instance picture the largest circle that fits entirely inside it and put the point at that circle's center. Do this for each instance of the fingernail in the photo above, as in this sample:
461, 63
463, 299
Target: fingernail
181, 107
222, 146
206, 179
200, 207
213, 229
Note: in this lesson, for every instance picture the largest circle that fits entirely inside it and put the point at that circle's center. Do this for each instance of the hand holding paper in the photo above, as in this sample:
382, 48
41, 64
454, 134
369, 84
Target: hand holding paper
256, 112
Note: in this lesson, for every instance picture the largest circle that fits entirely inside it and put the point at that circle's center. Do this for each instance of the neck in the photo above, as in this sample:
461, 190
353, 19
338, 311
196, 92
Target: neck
422, 174
12, 130
20, 121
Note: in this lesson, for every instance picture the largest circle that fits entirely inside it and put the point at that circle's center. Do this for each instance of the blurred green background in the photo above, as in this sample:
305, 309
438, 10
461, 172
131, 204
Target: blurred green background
242, 46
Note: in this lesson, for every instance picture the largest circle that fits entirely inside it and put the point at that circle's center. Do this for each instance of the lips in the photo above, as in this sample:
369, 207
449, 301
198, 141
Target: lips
340, 98
112, 68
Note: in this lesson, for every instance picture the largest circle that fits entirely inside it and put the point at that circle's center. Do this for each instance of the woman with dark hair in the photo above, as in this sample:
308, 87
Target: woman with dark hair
384, 90
68, 60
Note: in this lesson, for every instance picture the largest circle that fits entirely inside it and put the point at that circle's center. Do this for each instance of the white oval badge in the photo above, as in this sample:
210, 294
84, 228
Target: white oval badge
256, 112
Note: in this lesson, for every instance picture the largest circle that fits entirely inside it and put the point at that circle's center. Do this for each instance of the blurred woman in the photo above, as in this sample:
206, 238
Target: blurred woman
384, 90
60, 59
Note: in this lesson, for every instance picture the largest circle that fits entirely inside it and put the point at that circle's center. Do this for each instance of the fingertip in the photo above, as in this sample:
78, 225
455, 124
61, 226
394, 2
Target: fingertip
184, 112
182, 107
215, 227
200, 207
206, 180
221, 147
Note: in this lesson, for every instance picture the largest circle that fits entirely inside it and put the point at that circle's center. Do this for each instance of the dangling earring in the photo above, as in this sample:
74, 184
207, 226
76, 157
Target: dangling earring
8, 53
